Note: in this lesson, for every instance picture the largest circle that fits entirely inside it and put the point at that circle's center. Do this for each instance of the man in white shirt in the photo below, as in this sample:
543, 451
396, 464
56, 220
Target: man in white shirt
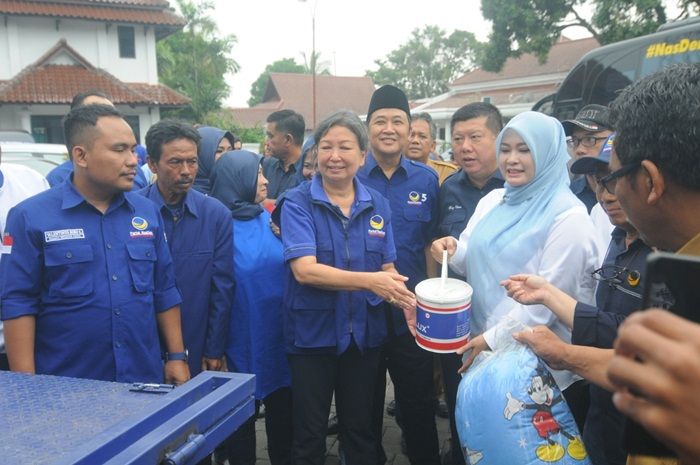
17, 183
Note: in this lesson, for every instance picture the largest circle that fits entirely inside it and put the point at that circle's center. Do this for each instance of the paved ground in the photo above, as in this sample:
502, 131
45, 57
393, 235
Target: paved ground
391, 438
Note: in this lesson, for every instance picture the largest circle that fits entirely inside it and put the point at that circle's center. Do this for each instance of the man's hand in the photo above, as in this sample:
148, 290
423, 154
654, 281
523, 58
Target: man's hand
212, 364
176, 372
476, 345
546, 345
656, 374
527, 289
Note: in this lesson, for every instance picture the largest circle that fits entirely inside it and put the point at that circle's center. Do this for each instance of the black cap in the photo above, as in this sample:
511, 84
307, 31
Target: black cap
593, 118
388, 96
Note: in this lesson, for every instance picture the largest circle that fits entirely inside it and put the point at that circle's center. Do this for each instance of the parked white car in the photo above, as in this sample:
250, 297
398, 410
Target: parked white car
40, 157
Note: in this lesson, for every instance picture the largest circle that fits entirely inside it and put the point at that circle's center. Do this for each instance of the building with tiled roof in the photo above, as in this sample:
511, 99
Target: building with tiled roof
53, 49
521, 83
295, 92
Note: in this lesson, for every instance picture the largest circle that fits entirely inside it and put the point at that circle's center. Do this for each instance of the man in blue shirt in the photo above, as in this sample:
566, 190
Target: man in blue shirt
200, 239
284, 136
88, 283
474, 129
412, 191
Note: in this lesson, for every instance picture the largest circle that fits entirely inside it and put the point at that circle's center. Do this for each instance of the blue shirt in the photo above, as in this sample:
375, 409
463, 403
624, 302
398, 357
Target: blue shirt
458, 200
63, 171
325, 321
93, 281
412, 192
256, 340
201, 244
279, 180
597, 327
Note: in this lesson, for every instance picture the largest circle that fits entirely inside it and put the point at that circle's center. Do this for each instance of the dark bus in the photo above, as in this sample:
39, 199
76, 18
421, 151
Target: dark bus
603, 72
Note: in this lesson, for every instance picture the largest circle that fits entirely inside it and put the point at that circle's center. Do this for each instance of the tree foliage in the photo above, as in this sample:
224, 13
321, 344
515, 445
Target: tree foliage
534, 29
195, 60
428, 62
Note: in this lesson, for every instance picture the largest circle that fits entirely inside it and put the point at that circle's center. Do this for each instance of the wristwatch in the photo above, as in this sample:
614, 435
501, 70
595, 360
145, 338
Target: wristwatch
170, 356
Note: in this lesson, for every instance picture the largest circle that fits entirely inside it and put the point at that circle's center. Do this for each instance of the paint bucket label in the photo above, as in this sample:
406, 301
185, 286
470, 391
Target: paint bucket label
442, 314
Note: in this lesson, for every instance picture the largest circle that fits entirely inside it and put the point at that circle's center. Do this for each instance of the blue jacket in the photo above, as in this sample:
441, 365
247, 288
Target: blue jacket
201, 244
319, 320
94, 282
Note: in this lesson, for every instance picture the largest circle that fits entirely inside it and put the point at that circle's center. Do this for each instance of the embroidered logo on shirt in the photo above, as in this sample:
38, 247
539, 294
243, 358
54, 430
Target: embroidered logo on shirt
64, 235
141, 234
376, 223
6, 247
139, 223
416, 198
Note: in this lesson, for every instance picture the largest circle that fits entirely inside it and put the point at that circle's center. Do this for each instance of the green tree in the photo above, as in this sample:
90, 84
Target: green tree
195, 60
428, 62
285, 65
517, 29
315, 64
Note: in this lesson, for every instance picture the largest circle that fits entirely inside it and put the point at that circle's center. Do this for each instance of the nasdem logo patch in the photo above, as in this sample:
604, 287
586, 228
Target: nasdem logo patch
139, 223
376, 223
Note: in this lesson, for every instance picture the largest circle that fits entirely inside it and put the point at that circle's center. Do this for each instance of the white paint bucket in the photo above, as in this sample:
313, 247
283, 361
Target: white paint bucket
442, 314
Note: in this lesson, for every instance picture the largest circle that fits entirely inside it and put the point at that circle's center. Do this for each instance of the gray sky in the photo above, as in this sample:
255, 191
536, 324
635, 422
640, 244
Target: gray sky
350, 34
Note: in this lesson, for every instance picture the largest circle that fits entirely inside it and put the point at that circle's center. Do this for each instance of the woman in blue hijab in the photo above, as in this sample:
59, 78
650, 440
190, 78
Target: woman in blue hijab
214, 143
533, 225
255, 341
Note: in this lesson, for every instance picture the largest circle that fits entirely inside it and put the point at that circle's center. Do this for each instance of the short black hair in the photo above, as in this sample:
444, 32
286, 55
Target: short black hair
78, 99
83, 118
168, 130
289, 122
494, 120
425, 116
657, 119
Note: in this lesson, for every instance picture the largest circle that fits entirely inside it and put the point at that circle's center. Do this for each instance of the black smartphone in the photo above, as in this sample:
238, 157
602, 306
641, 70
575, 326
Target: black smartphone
672, 282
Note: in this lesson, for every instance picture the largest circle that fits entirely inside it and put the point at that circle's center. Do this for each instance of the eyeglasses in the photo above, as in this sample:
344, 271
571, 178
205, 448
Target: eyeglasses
614, 276
587, 141
610, 181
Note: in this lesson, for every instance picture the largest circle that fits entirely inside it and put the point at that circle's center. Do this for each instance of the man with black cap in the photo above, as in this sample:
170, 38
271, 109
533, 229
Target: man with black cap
585, 137
412, 191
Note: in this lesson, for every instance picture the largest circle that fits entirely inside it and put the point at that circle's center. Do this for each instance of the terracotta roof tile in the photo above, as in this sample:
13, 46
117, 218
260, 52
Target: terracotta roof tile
294, 91
562, 57
155, 12
57, 84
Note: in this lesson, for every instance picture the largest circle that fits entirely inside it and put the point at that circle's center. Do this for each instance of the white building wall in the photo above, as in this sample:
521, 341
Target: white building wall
24, 39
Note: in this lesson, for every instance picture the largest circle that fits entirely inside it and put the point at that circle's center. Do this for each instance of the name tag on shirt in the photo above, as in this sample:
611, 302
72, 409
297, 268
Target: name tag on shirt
64, 234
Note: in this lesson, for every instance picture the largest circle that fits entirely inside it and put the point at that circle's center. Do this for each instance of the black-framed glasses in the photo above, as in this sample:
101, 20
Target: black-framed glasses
587, 141
614, 276
610, 181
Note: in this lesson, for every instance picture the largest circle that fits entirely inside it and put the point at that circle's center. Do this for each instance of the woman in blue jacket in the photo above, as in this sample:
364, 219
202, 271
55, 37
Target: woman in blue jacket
255, 343
339, 251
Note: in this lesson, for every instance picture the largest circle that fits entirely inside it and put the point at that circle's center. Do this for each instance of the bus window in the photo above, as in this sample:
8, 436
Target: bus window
612, 73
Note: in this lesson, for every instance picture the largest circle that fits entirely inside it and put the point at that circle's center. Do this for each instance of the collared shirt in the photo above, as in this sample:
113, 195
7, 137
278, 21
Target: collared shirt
17, 183
580, 188
458, 200
412, 192
201, 244
279, 180
319, 320
596, 326
93, 281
